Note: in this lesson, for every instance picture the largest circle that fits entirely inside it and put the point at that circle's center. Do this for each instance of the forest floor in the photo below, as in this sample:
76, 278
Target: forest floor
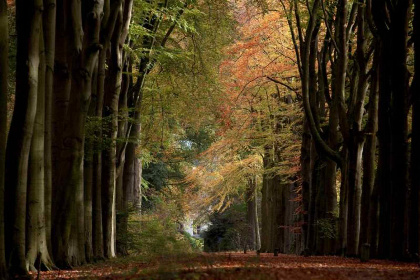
239, 266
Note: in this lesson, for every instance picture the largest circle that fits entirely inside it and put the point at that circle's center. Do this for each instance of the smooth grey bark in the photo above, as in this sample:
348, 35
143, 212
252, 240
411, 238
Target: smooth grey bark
88, 184
123, 194
36, 226
111, 98
131, 183
49, 22
137, 188
69, 228
339, 103
88, 171
357, 138
28, 27
368, 223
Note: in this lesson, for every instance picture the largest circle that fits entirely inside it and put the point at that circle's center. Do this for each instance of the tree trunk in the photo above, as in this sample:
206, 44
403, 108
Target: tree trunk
28, 26
97, 230
123, 195
49, 23
368, 223
399, 155
266, 202
36, 227
393, 126
4, 65
305, 159
415, 141
70, 226
111, 98
343, 222
384, 166
252, 216
60, 100
88, 185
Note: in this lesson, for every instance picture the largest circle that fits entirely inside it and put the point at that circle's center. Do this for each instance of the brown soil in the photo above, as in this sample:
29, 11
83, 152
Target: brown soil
240, 266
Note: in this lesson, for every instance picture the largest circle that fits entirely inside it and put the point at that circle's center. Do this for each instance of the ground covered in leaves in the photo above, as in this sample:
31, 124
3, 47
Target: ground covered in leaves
240, 266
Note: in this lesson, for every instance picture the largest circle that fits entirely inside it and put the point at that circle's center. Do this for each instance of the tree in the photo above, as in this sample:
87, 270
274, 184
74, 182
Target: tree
4, 66
28, 25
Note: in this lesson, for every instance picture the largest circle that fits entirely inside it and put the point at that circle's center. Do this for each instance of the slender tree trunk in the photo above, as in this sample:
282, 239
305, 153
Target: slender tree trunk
88, 185
122, 187
36, 226
252, 217
97, 230
111, 98
266, 202
28, 26
356, 139
137, 187
256, 224
328, 184
343, 221
49, 23
312, 216
384, 167
93, 178
368, 223
305, 159
4, 65
415, 141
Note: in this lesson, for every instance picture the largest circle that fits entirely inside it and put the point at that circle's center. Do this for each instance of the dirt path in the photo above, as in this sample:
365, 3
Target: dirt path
242, 267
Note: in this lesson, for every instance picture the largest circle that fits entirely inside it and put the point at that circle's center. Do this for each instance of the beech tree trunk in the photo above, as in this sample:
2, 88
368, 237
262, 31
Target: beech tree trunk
4, 65
305, 160
393, 126
36, 226
368, 222
252, 215
356, 141
49, 22
88, 185
69, 226
415, 141
123, 191
28, 27
266, 207
111, 99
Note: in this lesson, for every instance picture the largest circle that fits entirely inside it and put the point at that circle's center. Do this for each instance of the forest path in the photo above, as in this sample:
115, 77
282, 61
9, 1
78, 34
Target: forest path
241, 266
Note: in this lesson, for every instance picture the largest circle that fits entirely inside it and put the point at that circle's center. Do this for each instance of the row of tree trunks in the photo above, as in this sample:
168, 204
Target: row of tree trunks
338, 146
47, 134
61, 179
390, 225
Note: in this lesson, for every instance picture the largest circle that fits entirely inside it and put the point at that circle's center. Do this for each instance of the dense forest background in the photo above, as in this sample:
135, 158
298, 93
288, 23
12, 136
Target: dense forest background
281, 126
